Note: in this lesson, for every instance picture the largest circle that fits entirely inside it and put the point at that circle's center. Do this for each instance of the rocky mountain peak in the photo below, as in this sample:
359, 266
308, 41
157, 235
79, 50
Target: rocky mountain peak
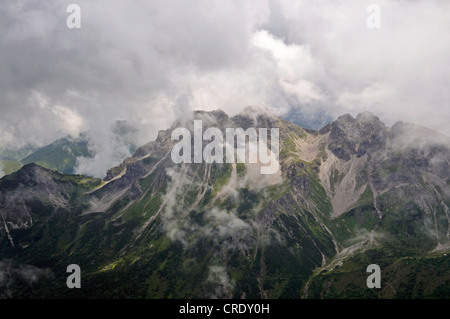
31, 174
346, 118
366, 117
365, 133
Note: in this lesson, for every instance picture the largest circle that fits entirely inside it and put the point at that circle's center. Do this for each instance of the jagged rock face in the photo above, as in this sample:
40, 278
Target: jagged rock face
364, 135
365, 155
225, 230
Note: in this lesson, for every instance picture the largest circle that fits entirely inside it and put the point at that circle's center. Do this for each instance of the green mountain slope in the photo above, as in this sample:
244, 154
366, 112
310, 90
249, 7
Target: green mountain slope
60, 155
8, 167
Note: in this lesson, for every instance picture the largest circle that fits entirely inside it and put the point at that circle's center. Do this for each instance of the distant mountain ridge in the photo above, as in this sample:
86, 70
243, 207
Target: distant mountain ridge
353, 193
61, 155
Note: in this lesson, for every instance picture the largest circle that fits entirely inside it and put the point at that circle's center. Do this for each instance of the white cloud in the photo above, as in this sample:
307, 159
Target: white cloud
106, 156
293, 61
70, 120
7, 136
371, 97
305, 91
217, 275
293, 64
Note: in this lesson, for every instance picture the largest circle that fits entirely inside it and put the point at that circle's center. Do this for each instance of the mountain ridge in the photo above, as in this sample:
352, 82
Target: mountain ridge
223, 230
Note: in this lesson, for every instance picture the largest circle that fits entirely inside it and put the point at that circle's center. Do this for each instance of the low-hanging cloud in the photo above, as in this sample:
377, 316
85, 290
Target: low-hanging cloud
11, 271
217, 276
176, 216
151, 62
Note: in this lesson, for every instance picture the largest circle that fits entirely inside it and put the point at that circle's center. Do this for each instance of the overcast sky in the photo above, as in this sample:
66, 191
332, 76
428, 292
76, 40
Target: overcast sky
151, 61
